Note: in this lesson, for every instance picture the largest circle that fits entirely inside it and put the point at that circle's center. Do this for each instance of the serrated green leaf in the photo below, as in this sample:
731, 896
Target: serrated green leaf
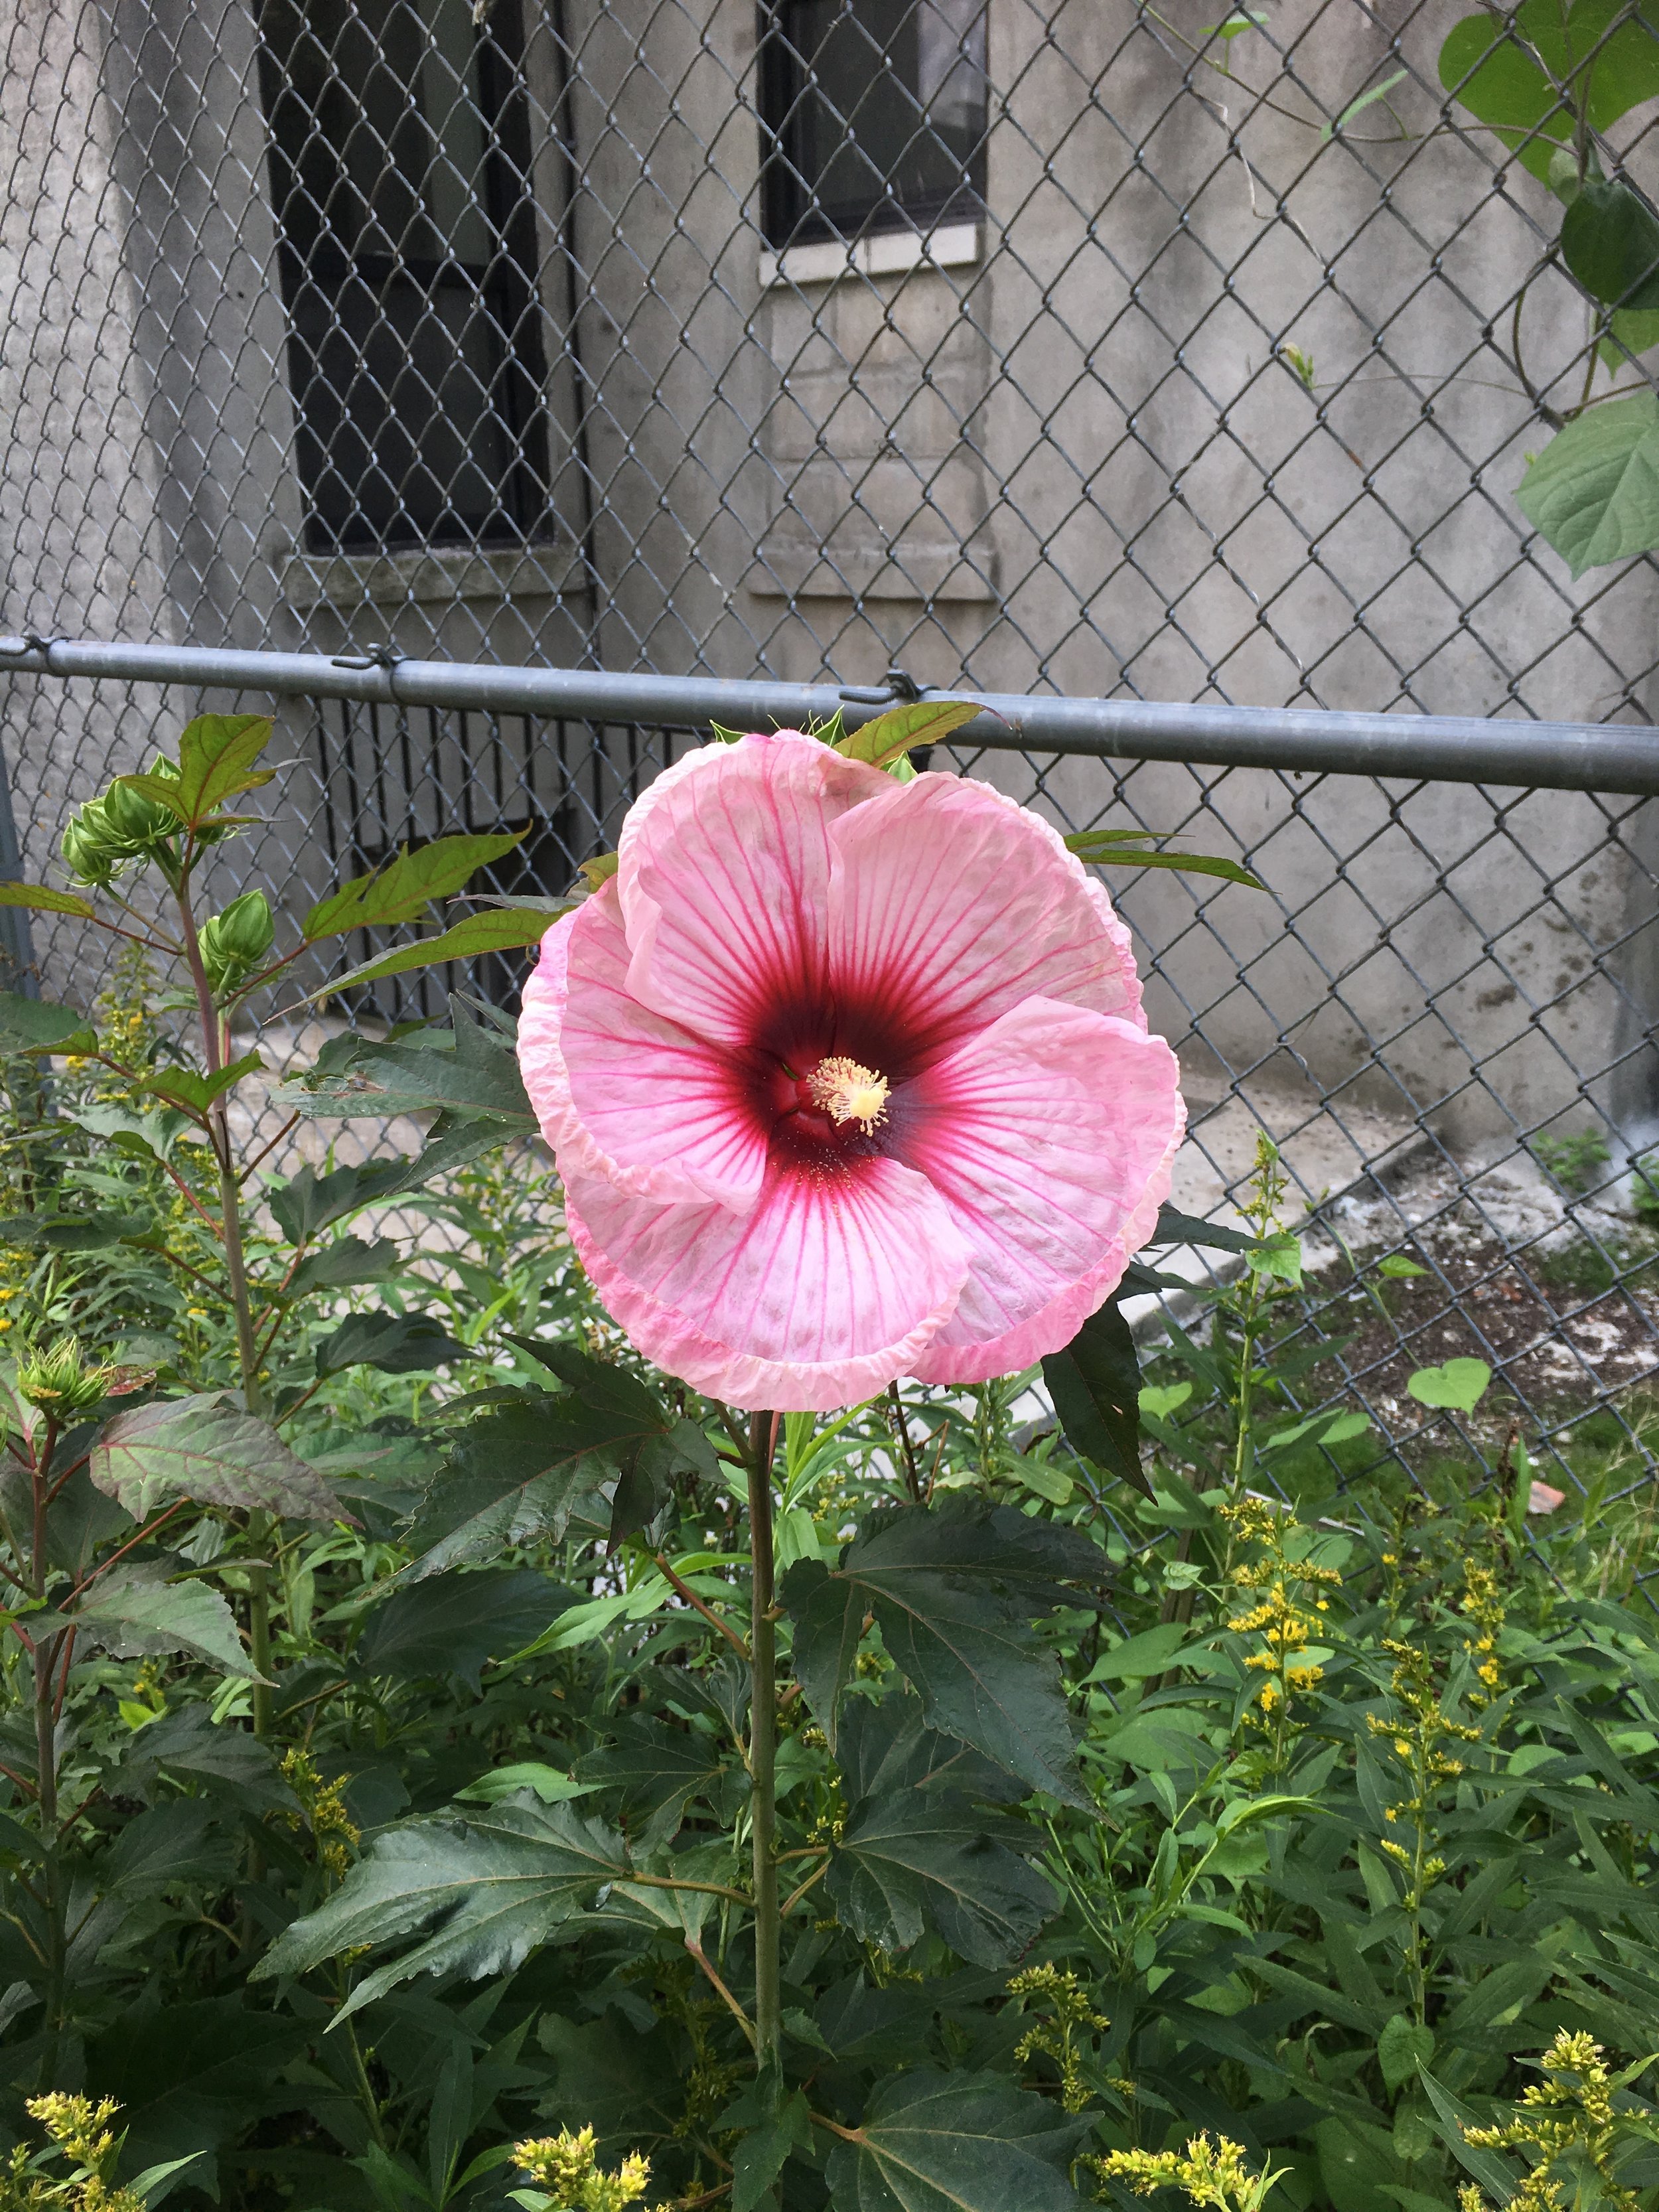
141, 1136
201, 1448
1594, 491
1402, 2047
134, 1612
760, 2156
498, 930
923, 1859
599, 870
1095, 1385
183, 1087
44, 900
403, 890
468, 1071
513, 1474
963, 2141
455, 1624
955, 1594
397, 1344
33, 1025
901, 729
346, 1261
497, 1884
659, 1768
216, 753
310, 1202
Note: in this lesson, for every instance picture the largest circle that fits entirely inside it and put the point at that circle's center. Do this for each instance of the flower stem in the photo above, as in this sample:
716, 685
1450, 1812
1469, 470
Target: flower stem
762, 1741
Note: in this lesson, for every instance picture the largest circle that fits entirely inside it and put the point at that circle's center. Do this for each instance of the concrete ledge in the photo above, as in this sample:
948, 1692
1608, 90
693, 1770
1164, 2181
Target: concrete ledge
886, 253
428, 576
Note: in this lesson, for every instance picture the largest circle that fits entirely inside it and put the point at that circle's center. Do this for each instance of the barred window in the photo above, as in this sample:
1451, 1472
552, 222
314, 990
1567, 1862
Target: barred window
874, 113
399, 160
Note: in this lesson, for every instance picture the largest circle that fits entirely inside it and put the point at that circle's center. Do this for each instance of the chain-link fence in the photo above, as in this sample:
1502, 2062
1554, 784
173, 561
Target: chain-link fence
1060, 348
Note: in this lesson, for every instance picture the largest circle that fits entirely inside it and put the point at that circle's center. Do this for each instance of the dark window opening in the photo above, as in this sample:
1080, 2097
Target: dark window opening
873, 116
406, 236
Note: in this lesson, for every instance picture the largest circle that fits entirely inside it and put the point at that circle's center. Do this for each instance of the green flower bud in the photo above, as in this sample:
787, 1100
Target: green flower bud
136, 823
236, 942
58, 1382
91, 853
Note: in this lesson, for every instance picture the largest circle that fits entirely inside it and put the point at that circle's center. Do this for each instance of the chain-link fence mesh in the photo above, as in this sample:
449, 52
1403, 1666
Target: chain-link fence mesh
1080, 346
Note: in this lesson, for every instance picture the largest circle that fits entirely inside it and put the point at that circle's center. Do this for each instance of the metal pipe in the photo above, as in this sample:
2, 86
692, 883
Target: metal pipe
1609, 757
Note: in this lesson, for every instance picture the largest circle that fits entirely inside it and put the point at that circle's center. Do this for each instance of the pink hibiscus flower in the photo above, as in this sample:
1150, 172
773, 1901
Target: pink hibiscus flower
846, 1079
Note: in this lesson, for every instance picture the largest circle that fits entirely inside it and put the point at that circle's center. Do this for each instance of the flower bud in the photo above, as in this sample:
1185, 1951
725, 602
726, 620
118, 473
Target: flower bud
57, 1381
234, 942
91, 852
136, 823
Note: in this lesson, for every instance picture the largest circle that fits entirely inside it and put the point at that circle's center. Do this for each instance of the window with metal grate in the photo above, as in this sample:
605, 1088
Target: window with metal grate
873, 116
399, 167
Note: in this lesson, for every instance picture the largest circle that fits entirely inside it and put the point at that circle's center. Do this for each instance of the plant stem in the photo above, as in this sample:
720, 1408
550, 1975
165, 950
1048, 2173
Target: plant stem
230, 1217
762, 1741
46, 1653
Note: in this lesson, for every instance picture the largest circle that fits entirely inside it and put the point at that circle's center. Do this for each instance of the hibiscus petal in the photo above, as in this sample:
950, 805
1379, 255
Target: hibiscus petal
828, 1290
950, 903
1050, 1137
724, 875
653, 1108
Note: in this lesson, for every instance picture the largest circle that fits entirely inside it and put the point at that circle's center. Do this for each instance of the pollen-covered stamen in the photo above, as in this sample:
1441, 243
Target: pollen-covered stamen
847, 1093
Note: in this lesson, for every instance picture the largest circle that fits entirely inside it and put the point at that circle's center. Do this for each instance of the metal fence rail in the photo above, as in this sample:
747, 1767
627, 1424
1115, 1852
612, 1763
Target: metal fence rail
1442, 1010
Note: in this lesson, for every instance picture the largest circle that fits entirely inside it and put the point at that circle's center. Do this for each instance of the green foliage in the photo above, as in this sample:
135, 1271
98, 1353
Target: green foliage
393, 1669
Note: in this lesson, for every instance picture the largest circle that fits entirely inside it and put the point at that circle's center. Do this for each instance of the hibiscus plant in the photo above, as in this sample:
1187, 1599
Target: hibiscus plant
613, 1684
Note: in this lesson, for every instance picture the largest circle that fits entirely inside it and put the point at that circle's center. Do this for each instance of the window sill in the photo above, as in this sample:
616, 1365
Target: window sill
887, 253
430, 576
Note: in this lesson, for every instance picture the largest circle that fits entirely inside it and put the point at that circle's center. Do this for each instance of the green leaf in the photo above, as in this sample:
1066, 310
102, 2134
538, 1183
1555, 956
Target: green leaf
216, 753
1495, 2174
201, 1448
961, 2142
183, 1086
954, 1595
135, 1612
1402, 2047
311, 1202
1629, 333
145, 1136
346, 1261
397, 1344
1095, 1385
1593, 493
901, 729
44, 900
599, 870
455, 1624
1110, 849
497, 1884
659, 1769
1357, 106
1399, 1266
1610, 241
1520, 73
403, 888
1459, 1385
1177, 1228
466, 1070
549, 1784
32, 1026
922, 1858
496, 930
759, 2158
514, 1474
